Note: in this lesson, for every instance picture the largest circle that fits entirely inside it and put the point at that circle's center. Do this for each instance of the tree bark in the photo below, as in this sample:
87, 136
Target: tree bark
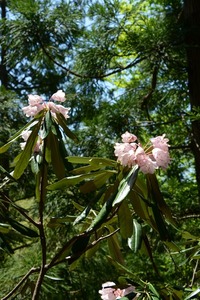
192, 40
3, 70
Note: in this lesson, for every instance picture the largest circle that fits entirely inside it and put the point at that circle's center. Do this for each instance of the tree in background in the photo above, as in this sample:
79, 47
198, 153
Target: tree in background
124, 66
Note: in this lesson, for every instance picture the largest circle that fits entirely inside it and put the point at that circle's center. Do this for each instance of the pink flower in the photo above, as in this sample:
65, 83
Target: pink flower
146, 164
130, 153
31, 111
59, 96
128, 137
160, 142
36, 104
110, 292
107, 292
34, 100
162, 157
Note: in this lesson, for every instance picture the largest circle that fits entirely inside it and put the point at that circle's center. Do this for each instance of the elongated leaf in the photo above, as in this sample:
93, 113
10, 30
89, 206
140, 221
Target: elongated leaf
83, 215
125, 220
134, 242
80, 245
57, 222
4, 228
4, 172
46, 125
27, 152
22, 229
106, 209
95, 161
162, 229
154, 291
114, 249
73, 180
139, 206
119, 266
126, 185
62, 122
156, 195
197, 291
56, 157
18, 134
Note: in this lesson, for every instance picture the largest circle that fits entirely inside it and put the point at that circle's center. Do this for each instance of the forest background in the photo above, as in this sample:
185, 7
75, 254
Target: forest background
124, 66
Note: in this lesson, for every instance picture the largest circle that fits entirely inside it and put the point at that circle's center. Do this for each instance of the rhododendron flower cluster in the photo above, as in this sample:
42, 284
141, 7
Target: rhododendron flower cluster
36, 104
149, 158
111, 292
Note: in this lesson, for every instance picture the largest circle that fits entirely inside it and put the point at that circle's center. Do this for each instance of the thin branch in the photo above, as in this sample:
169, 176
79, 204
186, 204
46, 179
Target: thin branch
190, 216
73, 257
43, 184
118, 70
194, 273
31, 271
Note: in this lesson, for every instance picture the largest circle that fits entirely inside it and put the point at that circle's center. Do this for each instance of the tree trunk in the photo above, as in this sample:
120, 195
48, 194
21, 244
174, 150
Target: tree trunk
3, 70
192, 39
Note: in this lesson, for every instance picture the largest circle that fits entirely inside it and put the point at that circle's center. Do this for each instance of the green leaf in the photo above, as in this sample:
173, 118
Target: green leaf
3, 171
32, 123
62, 122
161, 227
156, 195
197, 291
27, 152
106, 209
93, 161
126, 185
134, 242
153, 290
4, 228
83, 215
119, 266
46, 125
56, 157
22, 229
73, 180
114, 249
54, 278
80, 244
139, 205
125, 220
57, 222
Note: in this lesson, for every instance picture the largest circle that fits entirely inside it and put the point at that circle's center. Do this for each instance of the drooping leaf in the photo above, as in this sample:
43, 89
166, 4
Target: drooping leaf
73, 180
46, 125
125, 220
32, 123
126, 185
114, 249
5, 173
106, 209
22, 228
27, 152
56, 157
80, 244
62, 122
156, 195
135, 241
161, 226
